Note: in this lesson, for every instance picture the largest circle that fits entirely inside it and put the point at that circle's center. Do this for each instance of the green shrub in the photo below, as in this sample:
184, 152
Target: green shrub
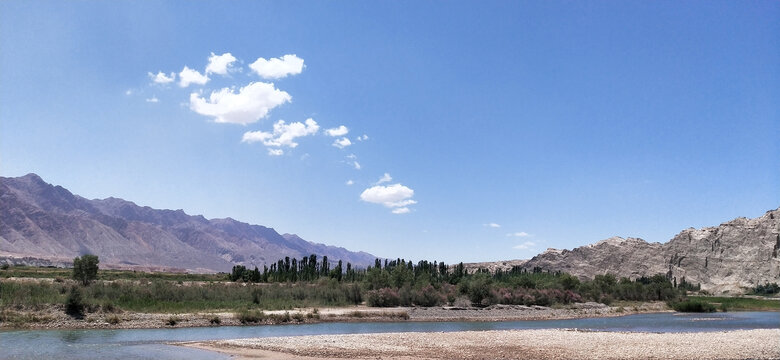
250, 316
692, 306
215, 320
113, 319
74, 304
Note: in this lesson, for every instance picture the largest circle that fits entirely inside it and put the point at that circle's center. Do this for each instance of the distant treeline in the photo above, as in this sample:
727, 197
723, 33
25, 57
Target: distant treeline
400, 282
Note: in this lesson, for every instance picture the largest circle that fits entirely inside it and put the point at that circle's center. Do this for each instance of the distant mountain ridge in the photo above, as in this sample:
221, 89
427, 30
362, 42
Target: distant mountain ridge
49, 224
735, 255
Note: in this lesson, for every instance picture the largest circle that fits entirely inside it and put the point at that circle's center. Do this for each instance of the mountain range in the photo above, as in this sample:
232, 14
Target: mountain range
43, 224
727, 258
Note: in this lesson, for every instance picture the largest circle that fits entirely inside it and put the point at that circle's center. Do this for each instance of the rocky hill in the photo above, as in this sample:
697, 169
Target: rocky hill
738, 254
45, 224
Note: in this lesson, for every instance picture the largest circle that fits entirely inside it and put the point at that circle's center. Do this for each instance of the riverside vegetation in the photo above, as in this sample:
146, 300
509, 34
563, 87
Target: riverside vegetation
311, 282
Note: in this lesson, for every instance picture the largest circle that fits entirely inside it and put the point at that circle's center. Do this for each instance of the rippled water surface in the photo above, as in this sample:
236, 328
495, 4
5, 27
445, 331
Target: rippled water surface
150, 343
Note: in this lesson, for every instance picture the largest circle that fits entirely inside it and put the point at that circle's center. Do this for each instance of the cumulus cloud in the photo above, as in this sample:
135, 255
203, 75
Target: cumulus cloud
161, 78
363, 137
356, 165
342, 143
350, 182
339, 131
519, 234
396, 197
189, 76
219, 64
275, 152
528, 245
385, 178
250, 104
277, 68
153, 99
284, 134
492, 225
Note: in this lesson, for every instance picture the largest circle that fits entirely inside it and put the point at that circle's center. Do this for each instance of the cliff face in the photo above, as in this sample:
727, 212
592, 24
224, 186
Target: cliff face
48, 224
738, 254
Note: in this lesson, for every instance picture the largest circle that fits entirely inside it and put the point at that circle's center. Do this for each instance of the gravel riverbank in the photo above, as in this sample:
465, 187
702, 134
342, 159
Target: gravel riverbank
54, 317
509, 344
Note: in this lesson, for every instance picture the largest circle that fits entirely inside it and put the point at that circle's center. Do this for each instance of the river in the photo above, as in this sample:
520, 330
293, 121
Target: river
150, 343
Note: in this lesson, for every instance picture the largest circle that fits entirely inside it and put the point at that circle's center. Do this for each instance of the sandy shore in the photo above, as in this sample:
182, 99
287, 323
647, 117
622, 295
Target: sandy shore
54, 317
508, 344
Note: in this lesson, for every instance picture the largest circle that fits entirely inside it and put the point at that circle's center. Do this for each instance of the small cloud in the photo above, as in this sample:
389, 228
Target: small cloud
492, 225
385, 178
153, 99
275, 152
339, 131
350, 182
305, 156
189, 76
342, 143
129, 92
284, 134
528, 245
356, 165
161, 78
396, 197
277, 68
519, 234
351, 156
363, 137
220, 64
250, 104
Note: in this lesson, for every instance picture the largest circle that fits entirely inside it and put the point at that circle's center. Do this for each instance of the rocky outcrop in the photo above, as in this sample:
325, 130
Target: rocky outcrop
738, 254
45, 224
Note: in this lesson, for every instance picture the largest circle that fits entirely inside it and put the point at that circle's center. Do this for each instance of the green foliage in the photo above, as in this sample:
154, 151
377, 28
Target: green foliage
172, 321
766, 289
215, 320
692, 306
5, 266
250, 316
741, 303
74, 304
85, 269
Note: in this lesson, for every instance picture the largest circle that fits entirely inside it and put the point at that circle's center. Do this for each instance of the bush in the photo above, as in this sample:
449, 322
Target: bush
692, 306
74, 304
5, 266
385, 297
172, 321
215, 320
250, 316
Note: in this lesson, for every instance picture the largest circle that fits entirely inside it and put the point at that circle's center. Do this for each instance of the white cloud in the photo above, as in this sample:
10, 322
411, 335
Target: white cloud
161, 78
492, 225
219, 64
342, 143
129, 92
519, 234
385, 178
356, 165
283, 135
352, 156
339, 131
528, 245
189, 76
350, 182
397, 197
153, 99
277, 68
250, 104
275, 152
363, 137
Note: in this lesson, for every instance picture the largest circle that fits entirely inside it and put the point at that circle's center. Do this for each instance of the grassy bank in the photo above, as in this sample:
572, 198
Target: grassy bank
63, 273
739, 303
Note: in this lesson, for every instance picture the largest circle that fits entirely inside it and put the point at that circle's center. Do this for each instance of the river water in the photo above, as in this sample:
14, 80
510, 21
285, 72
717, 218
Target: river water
150, 343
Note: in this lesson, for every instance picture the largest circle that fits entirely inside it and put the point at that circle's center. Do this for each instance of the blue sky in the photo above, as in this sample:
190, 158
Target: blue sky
505, 127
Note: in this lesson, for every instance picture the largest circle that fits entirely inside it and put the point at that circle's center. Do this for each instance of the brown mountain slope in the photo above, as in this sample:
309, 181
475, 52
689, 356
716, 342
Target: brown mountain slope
41, 221
738, 254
